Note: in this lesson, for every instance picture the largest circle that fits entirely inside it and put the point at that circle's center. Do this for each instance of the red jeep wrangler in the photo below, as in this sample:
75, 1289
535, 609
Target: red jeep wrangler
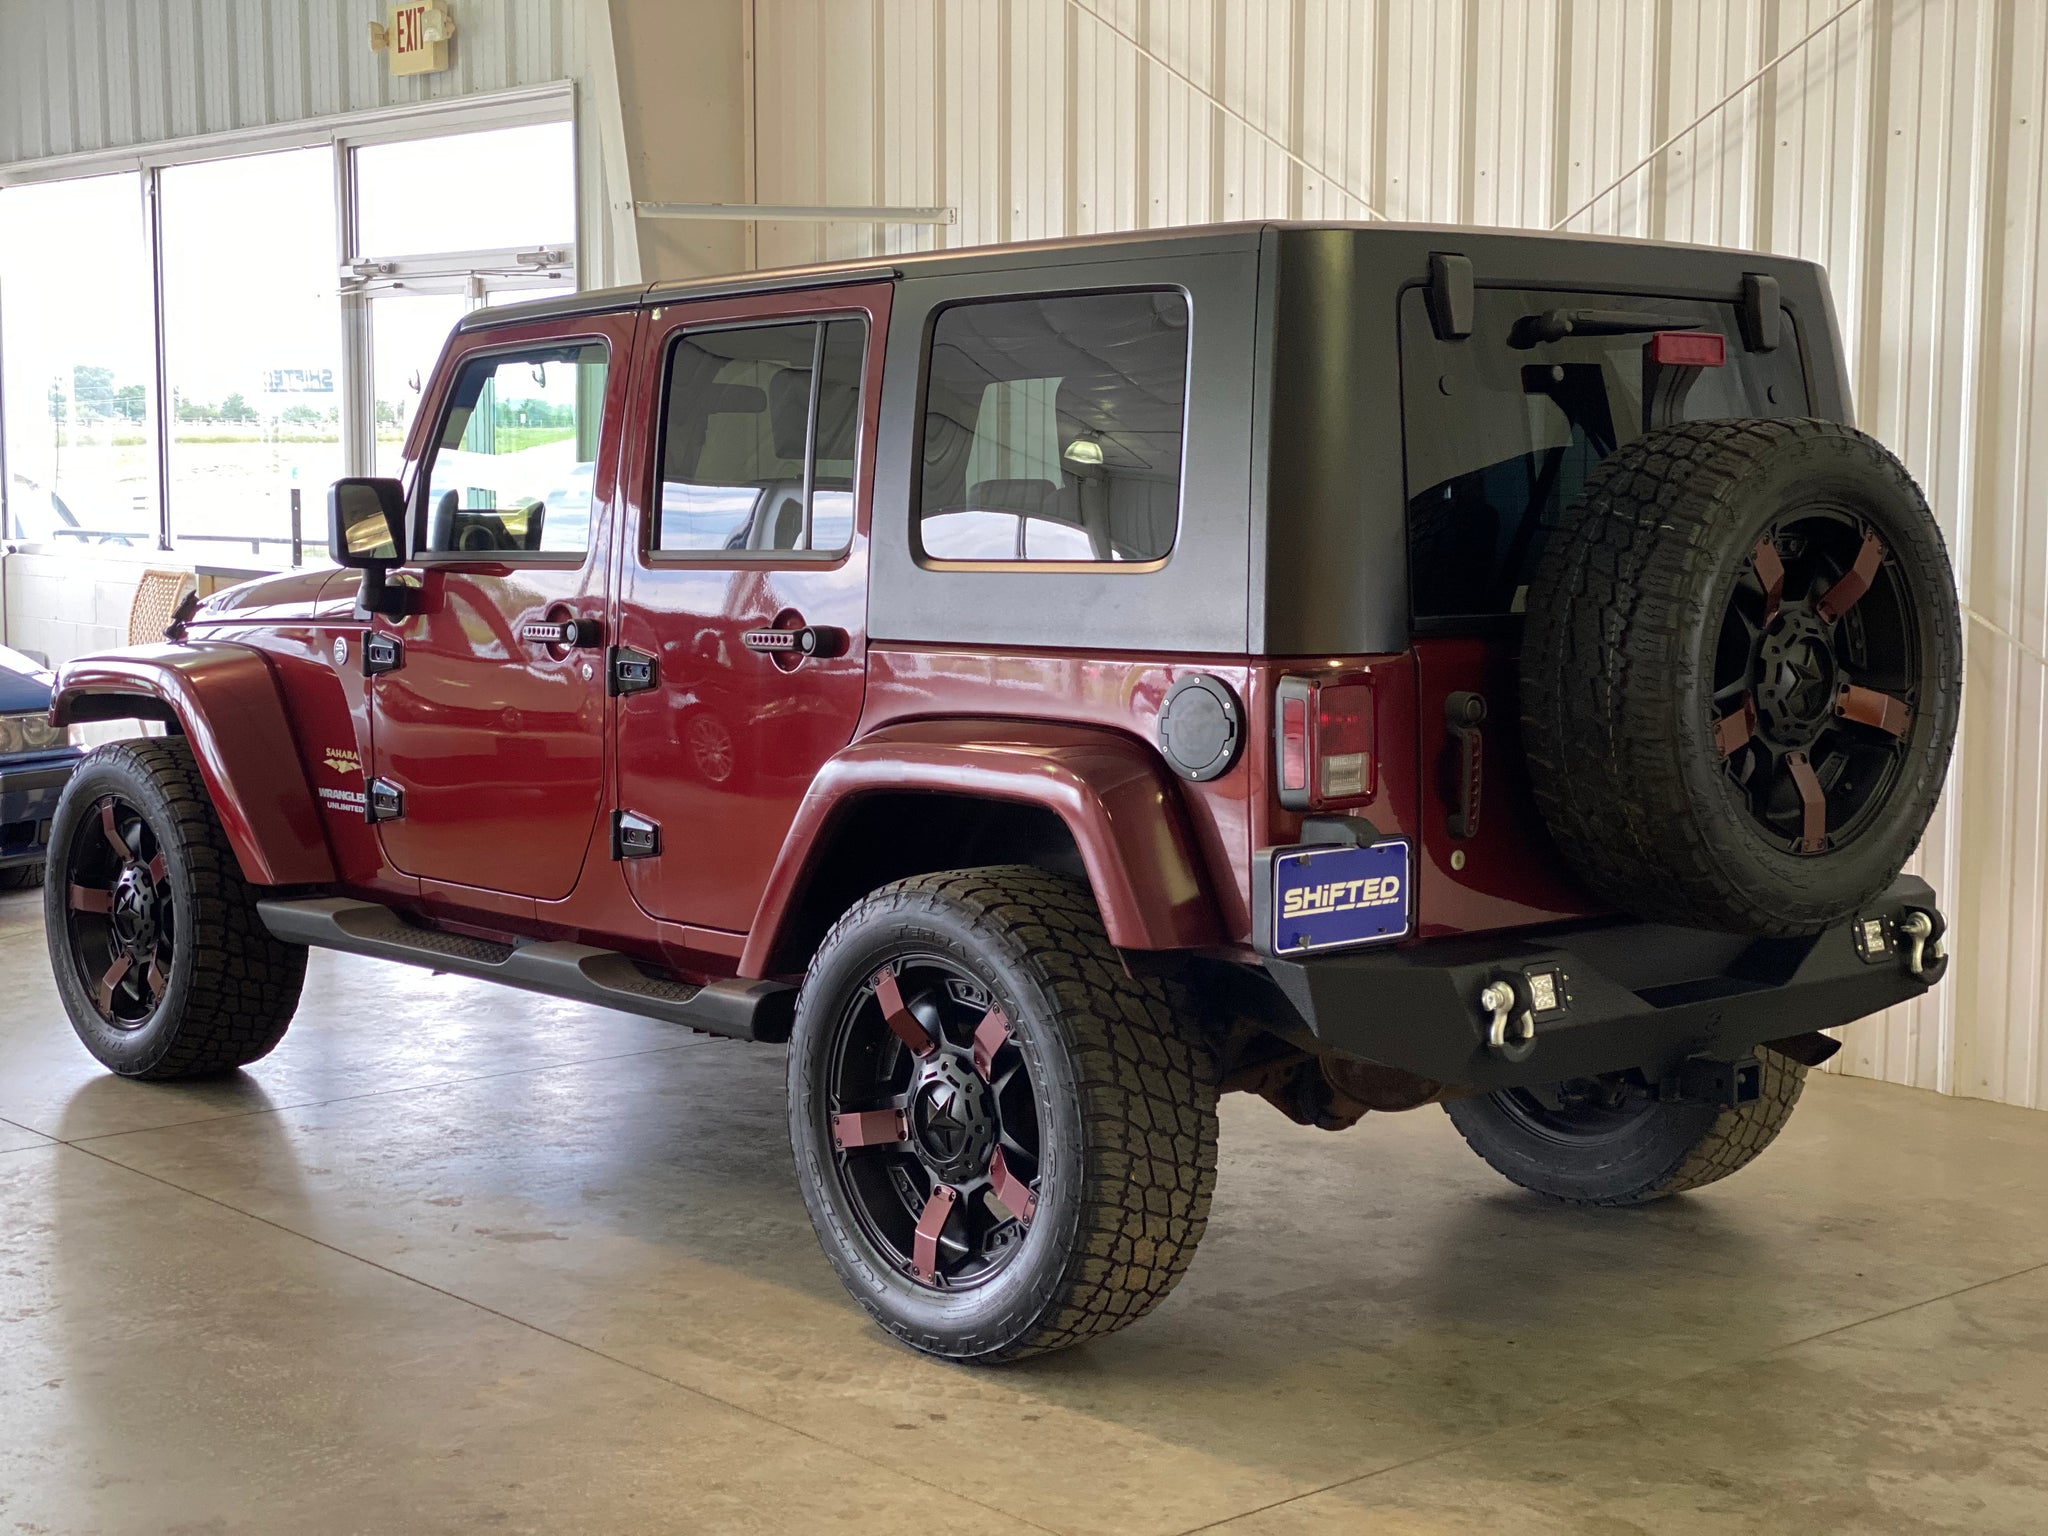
1051, 686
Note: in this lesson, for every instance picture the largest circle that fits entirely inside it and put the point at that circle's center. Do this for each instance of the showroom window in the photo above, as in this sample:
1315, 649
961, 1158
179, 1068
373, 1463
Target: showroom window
1053, 427
290, 302
77, 372
759, 435
252, 350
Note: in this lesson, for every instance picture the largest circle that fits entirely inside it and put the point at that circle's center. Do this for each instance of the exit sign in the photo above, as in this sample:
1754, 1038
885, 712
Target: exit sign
416, 38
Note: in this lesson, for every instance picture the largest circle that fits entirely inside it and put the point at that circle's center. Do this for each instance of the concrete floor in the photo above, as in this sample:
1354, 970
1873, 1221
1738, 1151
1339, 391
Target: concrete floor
454, 1259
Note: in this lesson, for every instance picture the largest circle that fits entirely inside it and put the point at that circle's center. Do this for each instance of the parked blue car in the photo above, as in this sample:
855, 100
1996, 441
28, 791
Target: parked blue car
35, 760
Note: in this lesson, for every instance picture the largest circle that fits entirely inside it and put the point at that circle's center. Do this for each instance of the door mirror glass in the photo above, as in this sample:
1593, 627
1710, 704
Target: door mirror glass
366, 522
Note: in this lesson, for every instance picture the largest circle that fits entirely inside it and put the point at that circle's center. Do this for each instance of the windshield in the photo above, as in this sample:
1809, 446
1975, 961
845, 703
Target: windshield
1502, 427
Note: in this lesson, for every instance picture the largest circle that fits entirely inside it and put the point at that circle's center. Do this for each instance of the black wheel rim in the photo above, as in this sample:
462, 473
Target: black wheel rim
119, 916
1816, 680
933, 1123
1581, 1112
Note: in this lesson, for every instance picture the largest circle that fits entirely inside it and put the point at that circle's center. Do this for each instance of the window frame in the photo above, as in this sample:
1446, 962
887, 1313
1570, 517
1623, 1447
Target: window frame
452, 366
921, 414
361, 274
657, 558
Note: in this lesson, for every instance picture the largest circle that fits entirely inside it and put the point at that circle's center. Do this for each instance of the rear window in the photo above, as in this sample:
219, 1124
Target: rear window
1503, 426
1053, 428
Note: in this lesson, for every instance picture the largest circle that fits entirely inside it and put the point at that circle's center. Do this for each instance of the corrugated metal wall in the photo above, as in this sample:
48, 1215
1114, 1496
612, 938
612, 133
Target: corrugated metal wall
81, 75
1903, 148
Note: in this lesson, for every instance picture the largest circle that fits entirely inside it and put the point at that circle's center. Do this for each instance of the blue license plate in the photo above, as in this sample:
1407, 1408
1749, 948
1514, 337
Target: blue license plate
1330, 896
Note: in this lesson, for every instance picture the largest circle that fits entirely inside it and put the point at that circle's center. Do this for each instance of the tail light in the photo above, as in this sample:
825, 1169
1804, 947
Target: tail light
1324, 743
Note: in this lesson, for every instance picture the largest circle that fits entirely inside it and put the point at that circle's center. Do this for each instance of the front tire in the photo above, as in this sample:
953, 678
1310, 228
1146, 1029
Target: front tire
974, 1032
160, 958
1605, 1141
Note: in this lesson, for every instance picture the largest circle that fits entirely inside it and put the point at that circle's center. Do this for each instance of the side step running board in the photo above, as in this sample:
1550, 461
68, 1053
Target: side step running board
745, 1010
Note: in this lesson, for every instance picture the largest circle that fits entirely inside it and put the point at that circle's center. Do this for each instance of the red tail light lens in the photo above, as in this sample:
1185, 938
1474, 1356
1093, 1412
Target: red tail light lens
1344, 743
1294, 743
1323, 738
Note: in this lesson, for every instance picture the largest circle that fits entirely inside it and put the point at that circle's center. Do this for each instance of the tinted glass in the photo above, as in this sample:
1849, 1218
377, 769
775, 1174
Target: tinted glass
741, 426
1052, 428
1502, 427
511, 470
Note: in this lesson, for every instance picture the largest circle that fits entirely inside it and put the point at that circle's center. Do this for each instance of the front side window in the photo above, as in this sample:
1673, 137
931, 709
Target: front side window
511, 469
760, 426
1053, 429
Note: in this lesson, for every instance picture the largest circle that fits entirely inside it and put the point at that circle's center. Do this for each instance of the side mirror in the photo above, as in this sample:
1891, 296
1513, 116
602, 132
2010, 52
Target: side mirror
366, 522
366, 531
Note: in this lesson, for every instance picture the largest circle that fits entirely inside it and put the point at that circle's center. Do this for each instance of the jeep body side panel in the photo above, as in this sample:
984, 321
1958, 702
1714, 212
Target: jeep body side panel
1193, 600
225, 698
1109, 790
1121, 693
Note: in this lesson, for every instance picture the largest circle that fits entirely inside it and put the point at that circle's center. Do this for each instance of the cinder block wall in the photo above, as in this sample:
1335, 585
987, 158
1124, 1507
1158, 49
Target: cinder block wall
64, 605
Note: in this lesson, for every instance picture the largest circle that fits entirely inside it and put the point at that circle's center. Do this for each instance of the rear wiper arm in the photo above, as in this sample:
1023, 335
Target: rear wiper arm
1557, 324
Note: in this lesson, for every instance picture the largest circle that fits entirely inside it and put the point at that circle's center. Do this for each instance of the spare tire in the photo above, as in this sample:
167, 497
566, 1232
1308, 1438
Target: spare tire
1741, 674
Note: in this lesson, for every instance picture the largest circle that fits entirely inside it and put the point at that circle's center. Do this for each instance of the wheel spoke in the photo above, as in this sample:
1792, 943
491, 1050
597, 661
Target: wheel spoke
870, 1128
110, 829
116, 974
1770, 575
1847, 592
155, 979
924, 1249
1733, 732
1813, 832
1019, 1198
159, 870
1868, 706
903, 1024
990, 1036
89, 898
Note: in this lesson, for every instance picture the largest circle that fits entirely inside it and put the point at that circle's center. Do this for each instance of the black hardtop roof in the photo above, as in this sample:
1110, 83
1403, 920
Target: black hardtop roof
1185, 240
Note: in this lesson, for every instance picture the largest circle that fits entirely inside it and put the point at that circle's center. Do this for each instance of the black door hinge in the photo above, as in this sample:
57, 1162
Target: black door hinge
628, 671
382, 653
385, 801
634, 836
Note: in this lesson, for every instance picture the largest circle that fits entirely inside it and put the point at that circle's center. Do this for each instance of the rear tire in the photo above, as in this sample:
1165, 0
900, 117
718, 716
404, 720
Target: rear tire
1741, 675
22, 877
1099, 1102
161, 961
1567, 1146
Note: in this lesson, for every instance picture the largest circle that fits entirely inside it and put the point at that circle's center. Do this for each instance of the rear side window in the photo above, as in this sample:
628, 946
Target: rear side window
1502, 427
1053, 429
510, 471
760, 425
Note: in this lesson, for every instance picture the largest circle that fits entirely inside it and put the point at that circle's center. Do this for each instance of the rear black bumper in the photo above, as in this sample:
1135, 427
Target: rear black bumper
1633, 994
28, 801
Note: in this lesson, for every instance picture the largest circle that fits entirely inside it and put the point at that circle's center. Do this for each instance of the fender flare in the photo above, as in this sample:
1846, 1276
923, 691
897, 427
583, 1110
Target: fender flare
1110, 790
225, 699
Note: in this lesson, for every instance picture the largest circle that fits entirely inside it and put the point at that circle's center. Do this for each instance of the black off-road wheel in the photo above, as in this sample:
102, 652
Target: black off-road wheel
1741, 675
160, 959
1610, 1141
21, 877
1007, 1144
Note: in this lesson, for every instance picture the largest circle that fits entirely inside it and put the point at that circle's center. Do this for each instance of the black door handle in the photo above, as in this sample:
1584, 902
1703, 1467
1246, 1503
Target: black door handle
798, 644
1463, 714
